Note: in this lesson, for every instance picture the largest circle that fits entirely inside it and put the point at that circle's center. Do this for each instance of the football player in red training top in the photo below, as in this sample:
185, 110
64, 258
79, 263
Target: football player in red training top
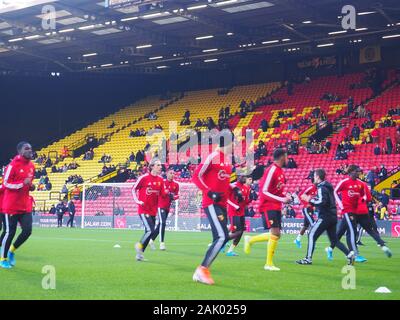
238, 200
271, 199
164, 204
308, 211
362, 217
17, 203
351, 190
213, 178
1, 212
146, 193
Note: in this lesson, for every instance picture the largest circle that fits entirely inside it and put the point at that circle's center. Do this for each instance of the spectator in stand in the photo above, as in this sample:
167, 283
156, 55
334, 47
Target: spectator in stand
367, 139
371, 178
377, 150
355, 132
389, 145
65, 152
76, 193
328, 145
361, 111
384, 199
382, 173
276, 124
316, 112
64, 189
291, 164
350, 105
342, 169
295, 136
264, 125
380, 211
292, 147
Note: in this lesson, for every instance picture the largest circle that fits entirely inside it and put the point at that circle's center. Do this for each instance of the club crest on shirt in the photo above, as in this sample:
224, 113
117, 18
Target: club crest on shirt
149, 191
222, 175
353, 193
221, 218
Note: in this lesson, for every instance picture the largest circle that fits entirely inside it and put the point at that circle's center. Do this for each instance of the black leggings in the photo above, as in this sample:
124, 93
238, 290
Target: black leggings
10, 223
218, 221
149, 223
318, 228
71, 220
161, 225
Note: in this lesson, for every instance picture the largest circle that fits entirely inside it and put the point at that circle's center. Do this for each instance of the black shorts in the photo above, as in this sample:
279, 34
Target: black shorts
273, 219
237, 223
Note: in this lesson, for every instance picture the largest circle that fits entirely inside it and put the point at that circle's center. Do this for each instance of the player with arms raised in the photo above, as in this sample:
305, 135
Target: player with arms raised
271, 199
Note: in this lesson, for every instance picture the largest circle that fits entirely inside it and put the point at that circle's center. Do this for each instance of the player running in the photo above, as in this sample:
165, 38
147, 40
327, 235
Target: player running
17, 203
171, 193
149, 187
351, 191
308, 212
213, 179
325, 205
363, 219
237, 203
271, 199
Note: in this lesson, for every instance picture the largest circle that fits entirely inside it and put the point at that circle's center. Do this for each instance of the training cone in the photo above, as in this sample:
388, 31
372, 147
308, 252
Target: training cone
382, 290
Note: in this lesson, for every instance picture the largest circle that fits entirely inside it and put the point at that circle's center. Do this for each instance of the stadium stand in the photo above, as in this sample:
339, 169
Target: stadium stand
301, 102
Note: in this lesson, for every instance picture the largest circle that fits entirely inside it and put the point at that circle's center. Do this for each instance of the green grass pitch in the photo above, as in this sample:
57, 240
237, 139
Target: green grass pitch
89, 267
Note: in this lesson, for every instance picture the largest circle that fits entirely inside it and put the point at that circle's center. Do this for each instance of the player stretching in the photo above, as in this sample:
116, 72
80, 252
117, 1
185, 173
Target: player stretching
271, 200
308, 212
17, 204
213, 179
149, 187
171, 193
238, 200
363, 218
325, 205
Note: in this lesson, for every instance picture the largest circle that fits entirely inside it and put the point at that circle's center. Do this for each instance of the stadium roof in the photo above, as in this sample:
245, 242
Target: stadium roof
157, 36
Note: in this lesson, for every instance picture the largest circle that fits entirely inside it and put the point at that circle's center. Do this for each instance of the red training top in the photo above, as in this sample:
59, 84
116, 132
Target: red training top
171, 187
149, 188
235, 208
271, 189
352, 191
16, 194
214, 175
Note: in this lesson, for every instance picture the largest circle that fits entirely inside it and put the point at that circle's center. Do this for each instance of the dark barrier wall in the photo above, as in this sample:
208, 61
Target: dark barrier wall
43, 109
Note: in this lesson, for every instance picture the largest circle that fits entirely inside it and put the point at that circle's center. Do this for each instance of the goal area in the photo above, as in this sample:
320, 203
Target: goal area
111, 206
